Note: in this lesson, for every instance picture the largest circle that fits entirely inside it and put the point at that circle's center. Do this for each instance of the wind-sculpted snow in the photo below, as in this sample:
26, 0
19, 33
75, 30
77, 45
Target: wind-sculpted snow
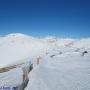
63, 63
61, 73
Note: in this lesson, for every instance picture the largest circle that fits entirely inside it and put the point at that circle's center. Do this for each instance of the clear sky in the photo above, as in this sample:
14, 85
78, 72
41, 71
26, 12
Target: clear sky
63, 18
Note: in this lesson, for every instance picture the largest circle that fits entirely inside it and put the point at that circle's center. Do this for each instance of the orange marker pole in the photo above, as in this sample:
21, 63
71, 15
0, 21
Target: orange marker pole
38, 60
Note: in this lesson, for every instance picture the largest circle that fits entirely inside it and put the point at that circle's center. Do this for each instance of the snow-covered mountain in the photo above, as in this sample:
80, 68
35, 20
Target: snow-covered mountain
18, 46
56, 55
59, 41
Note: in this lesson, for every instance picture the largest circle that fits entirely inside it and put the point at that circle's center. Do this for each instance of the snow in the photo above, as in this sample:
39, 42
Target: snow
83, 43
63, 73
11, 78
61, 65
15, 47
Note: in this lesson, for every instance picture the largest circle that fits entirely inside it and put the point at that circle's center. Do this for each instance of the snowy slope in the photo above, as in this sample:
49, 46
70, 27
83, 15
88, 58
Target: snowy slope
63, 73
63, 66
83, 43
15, 47
66, 70
60, 41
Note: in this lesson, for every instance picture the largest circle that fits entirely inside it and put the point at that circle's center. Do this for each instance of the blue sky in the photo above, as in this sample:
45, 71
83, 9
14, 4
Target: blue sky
63, 18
